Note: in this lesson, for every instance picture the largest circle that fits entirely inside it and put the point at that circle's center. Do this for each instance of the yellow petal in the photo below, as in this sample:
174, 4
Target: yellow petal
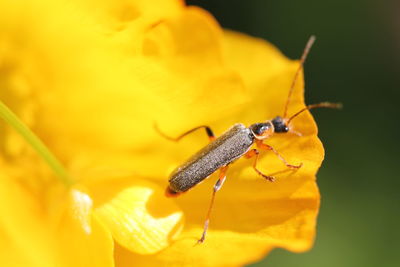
266, 73
111, 116
242, 229
137, 214
82, 239
25, 239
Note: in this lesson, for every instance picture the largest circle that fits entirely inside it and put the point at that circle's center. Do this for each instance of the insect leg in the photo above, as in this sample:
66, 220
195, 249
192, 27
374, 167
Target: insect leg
255, 152
217, 187
209, 133
263, 146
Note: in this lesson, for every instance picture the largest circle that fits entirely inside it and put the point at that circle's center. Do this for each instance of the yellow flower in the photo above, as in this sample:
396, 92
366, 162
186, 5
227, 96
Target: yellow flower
90, 78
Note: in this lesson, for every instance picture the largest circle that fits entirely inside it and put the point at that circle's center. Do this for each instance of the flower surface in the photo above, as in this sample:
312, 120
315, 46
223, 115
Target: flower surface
91, 78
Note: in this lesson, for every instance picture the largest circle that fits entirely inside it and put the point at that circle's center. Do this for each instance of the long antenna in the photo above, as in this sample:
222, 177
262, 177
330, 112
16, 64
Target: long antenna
302, 60
319, 105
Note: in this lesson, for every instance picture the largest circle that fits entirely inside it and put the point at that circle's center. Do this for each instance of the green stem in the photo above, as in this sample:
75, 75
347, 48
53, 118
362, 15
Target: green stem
12, 119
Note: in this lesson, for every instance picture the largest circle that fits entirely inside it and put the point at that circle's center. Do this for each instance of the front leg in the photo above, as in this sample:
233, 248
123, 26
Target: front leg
263, 146
254, 153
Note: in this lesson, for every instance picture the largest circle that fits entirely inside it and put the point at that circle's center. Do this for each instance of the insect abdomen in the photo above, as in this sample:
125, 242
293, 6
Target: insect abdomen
222, 151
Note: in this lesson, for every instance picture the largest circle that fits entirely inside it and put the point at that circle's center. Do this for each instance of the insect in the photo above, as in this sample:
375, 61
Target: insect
233, 144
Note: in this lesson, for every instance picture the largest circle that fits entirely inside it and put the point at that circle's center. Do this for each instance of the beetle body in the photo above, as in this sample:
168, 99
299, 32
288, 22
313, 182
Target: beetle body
230, 146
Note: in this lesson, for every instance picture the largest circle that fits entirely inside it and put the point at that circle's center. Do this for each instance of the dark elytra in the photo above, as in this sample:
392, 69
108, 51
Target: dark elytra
225, 149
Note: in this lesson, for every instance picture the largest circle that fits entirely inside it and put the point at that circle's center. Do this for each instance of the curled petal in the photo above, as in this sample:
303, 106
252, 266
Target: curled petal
138, 215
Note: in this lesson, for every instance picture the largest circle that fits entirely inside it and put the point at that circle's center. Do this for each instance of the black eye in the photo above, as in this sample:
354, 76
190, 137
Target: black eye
279, 125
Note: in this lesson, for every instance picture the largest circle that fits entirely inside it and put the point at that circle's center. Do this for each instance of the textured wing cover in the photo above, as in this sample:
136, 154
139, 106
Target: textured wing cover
222, 151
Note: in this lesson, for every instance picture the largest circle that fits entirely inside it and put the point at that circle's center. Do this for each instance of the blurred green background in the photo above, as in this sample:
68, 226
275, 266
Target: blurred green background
354, 61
